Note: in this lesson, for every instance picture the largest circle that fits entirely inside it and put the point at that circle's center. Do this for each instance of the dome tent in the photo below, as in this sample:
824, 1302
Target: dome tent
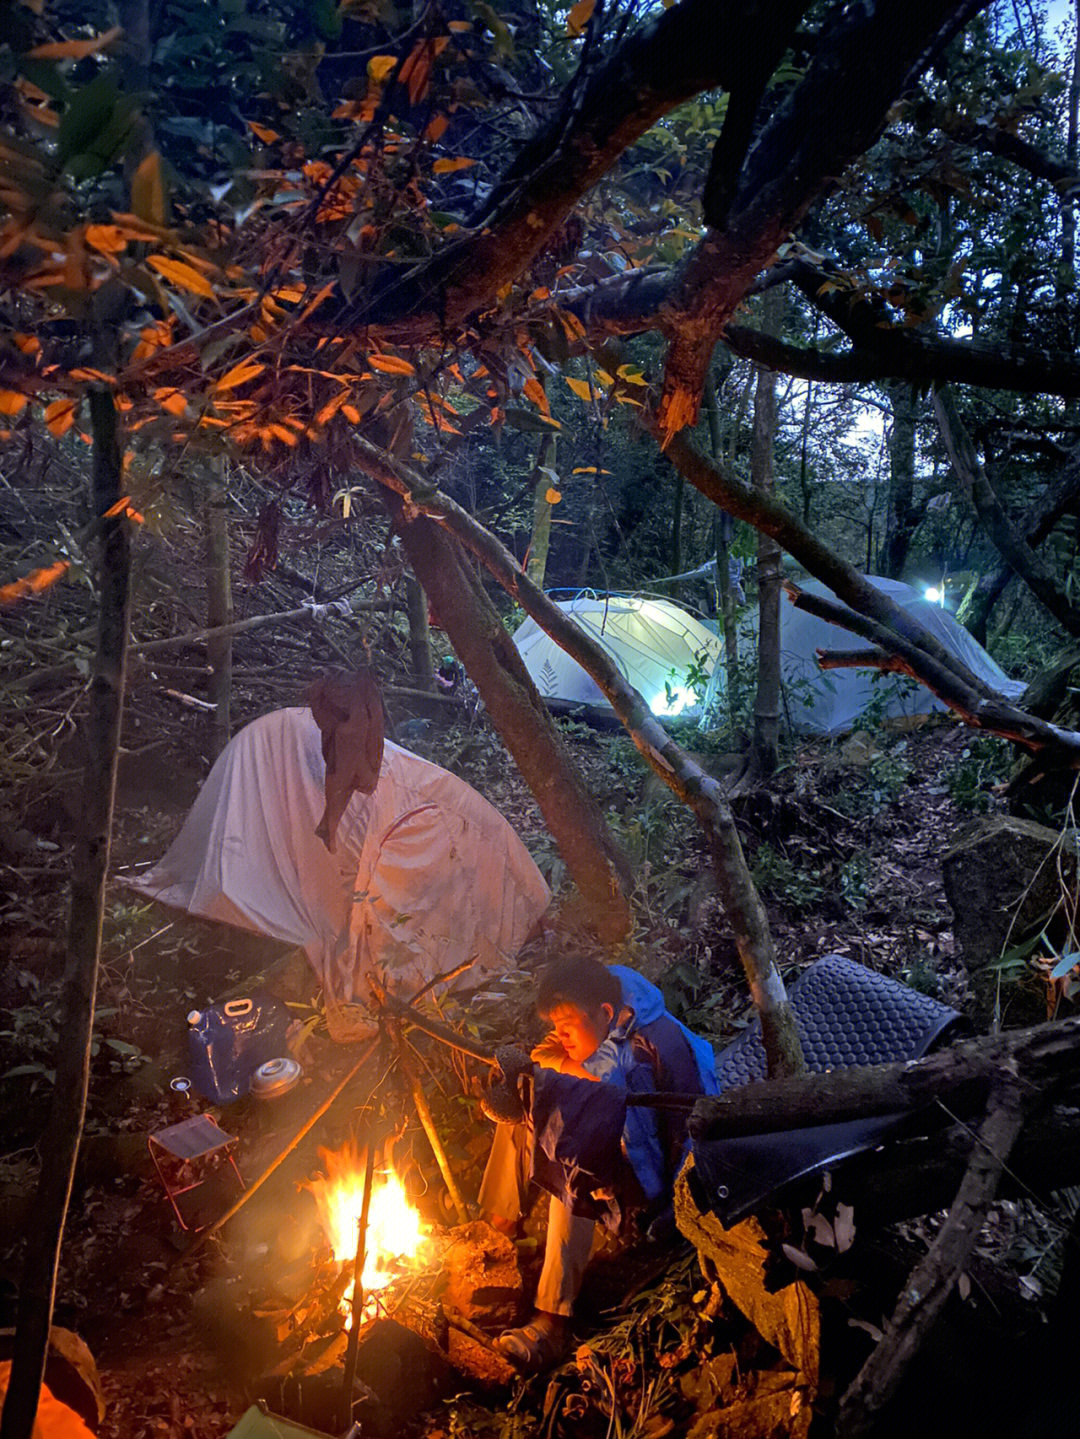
655, 643
425, 873
829, 702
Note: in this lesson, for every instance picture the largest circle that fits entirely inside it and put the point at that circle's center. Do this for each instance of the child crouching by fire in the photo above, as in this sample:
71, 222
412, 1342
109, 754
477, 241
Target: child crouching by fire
594, 1155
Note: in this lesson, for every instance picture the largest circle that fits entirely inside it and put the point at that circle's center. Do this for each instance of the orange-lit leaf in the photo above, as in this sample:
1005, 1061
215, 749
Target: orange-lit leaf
631, 374
446, 167
351, 413
379, 66
171, 400
580, 16
59, 417
589, 470
75, 49
535, 391
437, 128
84, 372
552, 495
268, 137
32, 584
239, 375
108, 239
581, 388
185, 276
148, 201
124, 507
573, 326
11, 402
391, 364
26, 344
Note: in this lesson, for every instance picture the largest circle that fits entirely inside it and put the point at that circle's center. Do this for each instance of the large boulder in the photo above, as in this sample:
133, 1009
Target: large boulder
1004, 879
483, 1281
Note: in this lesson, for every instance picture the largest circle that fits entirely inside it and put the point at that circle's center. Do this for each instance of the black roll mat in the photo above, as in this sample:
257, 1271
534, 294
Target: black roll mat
847, 1016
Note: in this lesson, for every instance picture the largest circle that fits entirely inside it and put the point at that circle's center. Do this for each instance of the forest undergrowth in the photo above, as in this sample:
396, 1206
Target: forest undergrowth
844, 842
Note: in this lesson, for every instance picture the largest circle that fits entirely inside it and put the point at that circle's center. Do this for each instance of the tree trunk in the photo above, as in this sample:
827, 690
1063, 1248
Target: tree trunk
420, 661
723, 531
765, 752
804, 448
492, 650
1067, 264
978, 605
540, 542
89, 866
219, 607
491, 660
676, 531
902, 520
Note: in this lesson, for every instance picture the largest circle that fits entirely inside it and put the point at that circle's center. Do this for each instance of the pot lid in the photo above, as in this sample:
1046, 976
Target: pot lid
275, 1077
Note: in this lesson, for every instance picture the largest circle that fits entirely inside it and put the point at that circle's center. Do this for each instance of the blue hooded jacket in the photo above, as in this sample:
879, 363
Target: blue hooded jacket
651, 1147
648, 1005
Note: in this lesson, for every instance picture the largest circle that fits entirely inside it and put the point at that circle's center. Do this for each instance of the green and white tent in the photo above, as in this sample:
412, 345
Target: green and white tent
656, 644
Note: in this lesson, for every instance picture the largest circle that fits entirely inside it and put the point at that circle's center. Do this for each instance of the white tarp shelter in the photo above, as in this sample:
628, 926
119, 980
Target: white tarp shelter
426, 873
654, 643
830, 701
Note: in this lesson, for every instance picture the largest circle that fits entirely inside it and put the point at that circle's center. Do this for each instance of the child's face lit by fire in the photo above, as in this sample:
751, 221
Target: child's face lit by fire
580, 1031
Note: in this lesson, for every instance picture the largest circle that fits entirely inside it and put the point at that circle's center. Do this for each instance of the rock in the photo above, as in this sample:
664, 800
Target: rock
999, 886
403, 1375
483, 1281
71, 1375
858, 750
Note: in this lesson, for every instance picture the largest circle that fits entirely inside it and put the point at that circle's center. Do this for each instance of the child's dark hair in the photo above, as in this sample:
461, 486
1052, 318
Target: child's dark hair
584, 983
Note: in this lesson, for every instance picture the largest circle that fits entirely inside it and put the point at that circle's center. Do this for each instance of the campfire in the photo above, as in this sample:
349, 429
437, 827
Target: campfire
397, 1240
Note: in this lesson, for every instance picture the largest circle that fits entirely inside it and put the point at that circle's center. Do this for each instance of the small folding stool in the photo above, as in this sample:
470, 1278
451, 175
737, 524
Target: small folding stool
186, 1149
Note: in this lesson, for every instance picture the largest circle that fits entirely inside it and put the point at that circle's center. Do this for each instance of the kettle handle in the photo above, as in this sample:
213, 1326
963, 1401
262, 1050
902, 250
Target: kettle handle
234, 1008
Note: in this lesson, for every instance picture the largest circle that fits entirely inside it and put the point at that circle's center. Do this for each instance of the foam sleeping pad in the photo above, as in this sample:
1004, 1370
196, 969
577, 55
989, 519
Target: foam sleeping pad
847, 1016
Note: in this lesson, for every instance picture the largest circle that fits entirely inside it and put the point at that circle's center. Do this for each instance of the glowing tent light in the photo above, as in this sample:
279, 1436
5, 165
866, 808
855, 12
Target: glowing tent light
673, 701
934, 595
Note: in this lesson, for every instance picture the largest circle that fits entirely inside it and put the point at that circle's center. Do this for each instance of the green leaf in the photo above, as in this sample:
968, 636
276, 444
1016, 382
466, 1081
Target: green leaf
89, 113
529, 421
45, 75
24, 1069
1069, 960
120, 1046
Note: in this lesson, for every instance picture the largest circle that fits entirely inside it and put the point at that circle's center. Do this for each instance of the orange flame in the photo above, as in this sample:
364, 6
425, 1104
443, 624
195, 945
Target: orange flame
395, 1233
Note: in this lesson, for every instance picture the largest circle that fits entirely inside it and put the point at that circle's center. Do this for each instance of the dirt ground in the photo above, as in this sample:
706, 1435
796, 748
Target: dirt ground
845, 843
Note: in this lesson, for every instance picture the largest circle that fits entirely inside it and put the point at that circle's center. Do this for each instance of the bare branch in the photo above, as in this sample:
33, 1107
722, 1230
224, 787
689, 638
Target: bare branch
932, 1281
673, 765
814, 135
1009, 543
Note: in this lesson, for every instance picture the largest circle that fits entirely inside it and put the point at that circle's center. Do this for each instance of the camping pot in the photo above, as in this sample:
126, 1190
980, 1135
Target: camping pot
280, 1100
275, 1078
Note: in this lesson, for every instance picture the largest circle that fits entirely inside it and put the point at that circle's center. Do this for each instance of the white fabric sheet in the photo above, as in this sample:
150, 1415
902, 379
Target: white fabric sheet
426, 876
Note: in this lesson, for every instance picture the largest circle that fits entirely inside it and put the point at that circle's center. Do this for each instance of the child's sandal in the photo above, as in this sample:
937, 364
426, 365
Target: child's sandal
535, 1347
